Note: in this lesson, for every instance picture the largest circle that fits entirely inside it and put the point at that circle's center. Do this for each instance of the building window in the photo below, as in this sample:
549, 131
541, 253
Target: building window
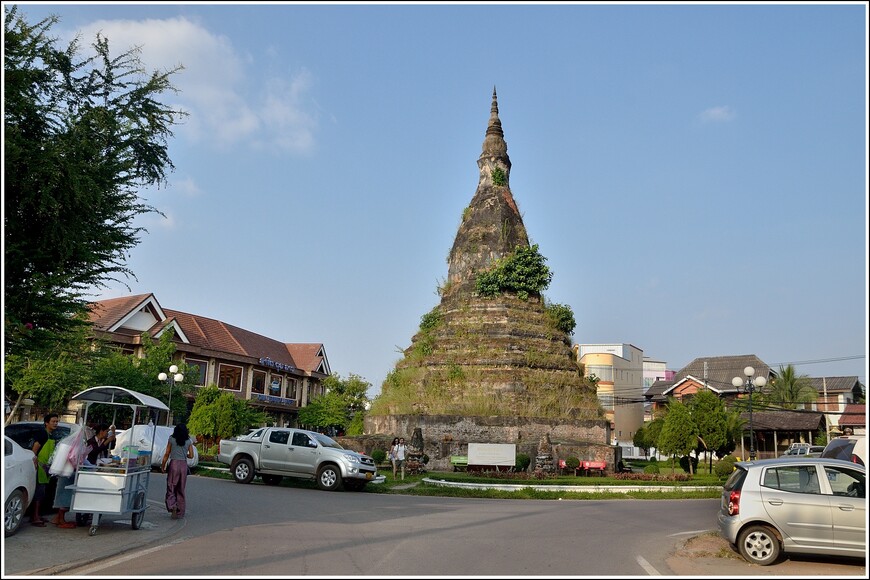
291, 389
258, 384
198, 369
275, 385
230, 377
603, 372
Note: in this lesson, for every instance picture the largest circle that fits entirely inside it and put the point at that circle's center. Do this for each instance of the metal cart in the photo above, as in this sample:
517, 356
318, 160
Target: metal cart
120, 487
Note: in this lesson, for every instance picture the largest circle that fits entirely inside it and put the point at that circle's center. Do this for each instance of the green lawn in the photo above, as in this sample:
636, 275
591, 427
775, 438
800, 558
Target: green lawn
414, 485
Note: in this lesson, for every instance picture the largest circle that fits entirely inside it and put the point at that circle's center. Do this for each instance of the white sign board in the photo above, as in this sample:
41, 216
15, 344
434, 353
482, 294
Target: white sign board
492, 454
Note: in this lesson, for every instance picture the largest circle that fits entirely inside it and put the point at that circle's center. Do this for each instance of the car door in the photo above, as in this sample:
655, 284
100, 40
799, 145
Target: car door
303, 456
848, 507
275, 451
793, 499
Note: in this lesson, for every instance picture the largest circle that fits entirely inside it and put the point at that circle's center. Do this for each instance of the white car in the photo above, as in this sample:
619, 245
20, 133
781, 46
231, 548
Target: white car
19, 481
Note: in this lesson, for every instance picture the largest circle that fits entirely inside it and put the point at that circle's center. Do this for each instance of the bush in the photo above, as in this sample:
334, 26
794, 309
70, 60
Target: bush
651, 468
684, 463
523, 462
379, 455
724, 466
572, 462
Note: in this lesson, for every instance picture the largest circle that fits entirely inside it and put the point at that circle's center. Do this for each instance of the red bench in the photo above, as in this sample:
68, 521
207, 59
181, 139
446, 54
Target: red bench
592, 467
587, 467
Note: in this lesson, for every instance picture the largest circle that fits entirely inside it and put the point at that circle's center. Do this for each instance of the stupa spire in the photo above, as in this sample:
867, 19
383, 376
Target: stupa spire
494, 145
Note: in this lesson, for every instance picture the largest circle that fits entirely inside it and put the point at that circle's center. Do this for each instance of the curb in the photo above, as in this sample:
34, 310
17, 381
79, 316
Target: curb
569, 488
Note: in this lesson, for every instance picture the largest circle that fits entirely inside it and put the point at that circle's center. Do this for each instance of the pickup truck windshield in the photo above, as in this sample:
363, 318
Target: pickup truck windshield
327, 442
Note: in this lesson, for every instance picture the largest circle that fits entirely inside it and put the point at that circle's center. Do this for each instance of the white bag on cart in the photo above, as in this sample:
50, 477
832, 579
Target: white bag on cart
142, 435
68, 453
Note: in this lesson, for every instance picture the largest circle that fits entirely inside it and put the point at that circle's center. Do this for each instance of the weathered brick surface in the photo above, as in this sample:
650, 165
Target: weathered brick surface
446, 435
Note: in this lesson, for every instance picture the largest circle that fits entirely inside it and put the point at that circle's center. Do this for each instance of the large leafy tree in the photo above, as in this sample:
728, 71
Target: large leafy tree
82, 136
53, 375
679, 434
708, 413
342, 406
220, 415
789, 389
734, 425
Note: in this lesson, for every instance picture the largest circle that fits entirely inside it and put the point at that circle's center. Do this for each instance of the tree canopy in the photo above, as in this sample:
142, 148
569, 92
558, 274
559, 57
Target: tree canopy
82, 135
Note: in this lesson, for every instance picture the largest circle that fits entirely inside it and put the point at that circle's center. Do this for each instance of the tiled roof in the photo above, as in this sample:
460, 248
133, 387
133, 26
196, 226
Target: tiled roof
854, 415
105, 313
655, 392
210, 334
307, 355
785, 420
834, 384
721, 369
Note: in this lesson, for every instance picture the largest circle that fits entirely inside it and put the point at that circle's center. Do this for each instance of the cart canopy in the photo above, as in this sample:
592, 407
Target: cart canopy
109, 394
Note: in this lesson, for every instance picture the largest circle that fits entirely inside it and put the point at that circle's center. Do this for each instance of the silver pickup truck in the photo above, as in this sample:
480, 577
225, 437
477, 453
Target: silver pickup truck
275, 452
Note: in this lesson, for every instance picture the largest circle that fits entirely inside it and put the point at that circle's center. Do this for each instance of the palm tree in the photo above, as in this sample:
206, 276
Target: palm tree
789, 389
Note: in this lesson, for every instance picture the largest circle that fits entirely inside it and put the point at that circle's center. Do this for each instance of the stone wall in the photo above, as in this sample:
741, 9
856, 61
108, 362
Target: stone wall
446, 435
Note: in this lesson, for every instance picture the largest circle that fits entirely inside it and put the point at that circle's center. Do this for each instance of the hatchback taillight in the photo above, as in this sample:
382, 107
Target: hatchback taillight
856, 459
734, 503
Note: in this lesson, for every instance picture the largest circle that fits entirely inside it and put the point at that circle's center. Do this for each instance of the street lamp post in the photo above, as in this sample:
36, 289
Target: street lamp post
749, 386
173, 377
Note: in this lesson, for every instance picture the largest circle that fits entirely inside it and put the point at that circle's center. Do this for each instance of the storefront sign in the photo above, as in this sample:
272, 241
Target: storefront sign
267, 362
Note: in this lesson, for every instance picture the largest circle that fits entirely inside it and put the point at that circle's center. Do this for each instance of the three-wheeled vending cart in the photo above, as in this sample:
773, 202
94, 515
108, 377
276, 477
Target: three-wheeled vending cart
118, 486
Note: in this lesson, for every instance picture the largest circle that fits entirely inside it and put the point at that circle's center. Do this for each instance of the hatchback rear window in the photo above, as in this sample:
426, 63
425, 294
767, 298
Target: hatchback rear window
839, 449
735, 480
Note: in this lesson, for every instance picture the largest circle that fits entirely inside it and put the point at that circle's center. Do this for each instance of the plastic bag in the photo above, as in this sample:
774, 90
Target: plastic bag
68, 453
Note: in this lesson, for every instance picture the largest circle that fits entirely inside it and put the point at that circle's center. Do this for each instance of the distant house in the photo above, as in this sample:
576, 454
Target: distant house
854, 416
278, 377
714, 373
773, 430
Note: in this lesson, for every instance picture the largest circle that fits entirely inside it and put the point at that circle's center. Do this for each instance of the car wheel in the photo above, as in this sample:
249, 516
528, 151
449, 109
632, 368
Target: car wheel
759, 545
269, 479
243, 470
13, 512
329, 478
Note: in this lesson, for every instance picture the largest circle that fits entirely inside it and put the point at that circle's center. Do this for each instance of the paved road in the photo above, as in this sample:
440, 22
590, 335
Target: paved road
291, 531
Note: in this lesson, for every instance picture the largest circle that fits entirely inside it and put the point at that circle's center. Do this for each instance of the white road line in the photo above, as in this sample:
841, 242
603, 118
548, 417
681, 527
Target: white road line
694, 533
647, 566
91, 568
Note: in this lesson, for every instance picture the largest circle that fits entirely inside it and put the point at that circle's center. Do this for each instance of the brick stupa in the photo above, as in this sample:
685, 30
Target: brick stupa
481, 356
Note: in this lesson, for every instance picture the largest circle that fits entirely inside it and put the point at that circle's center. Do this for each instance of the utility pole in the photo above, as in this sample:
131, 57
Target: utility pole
827, 419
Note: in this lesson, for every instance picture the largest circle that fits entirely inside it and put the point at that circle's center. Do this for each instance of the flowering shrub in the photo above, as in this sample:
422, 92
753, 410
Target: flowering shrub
651, 477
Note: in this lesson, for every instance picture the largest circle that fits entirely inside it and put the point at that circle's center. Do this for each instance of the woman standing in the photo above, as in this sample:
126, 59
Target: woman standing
393, 454
178, 449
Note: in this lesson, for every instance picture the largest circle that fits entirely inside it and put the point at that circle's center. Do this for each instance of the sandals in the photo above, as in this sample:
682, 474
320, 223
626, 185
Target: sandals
66, 525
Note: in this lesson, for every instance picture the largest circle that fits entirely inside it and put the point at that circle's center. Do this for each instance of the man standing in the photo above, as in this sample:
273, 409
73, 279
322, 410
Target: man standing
43, 448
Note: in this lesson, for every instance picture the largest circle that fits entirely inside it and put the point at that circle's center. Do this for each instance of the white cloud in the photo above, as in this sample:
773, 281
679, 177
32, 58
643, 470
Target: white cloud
718, 114
226, 107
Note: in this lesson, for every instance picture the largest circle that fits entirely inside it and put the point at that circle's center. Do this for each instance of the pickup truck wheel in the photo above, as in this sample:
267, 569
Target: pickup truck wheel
243, 470
270, 479
329, 478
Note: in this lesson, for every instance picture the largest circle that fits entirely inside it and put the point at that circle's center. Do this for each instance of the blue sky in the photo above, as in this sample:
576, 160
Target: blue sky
696, 175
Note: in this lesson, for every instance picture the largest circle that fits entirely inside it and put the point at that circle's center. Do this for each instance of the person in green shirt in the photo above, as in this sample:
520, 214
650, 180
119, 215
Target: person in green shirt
43, 448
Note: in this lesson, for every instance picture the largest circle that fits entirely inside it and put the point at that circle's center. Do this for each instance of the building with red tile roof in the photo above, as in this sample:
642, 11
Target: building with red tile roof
277, 376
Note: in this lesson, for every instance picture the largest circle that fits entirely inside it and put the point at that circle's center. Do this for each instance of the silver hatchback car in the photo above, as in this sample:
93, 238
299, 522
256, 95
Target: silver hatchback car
806, 505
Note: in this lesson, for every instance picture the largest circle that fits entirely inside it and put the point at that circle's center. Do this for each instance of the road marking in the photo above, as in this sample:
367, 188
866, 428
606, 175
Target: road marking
693, 532
88, 569
647, 566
